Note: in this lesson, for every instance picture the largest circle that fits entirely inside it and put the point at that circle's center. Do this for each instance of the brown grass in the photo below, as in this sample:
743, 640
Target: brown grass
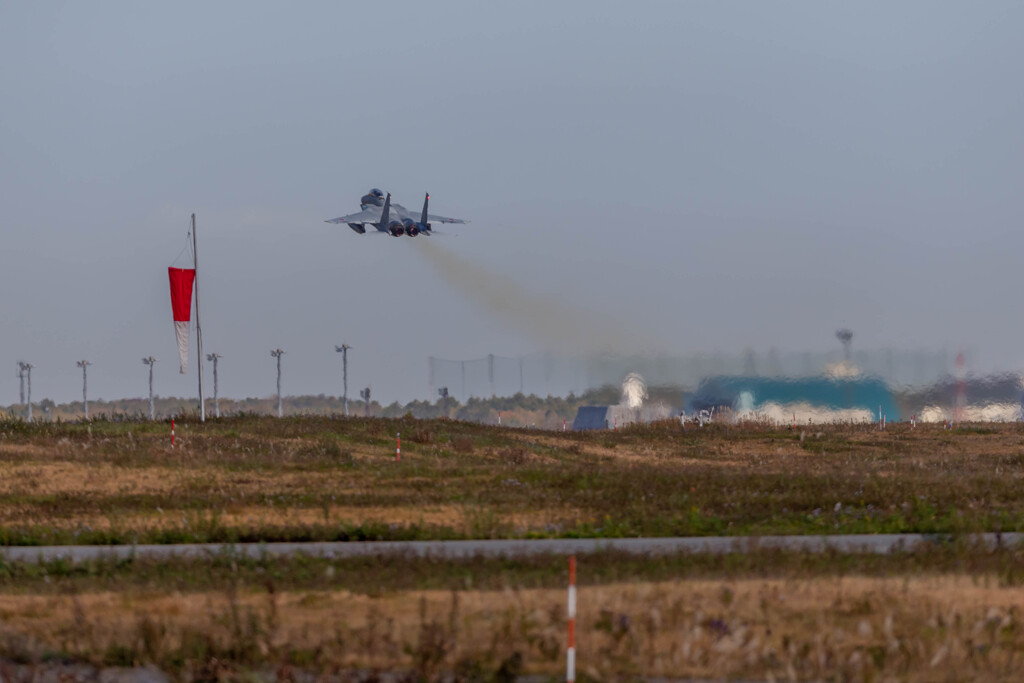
942, 628
657, 480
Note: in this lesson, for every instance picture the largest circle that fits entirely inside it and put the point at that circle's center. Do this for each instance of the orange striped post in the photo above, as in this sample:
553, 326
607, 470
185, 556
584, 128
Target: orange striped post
172, 433
398, 448
570, 655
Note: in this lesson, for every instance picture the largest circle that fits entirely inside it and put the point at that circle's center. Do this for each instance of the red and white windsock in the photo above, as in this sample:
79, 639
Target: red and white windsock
181, 304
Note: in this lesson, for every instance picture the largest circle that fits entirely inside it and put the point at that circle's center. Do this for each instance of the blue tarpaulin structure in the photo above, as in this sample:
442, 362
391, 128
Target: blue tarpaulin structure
590, 417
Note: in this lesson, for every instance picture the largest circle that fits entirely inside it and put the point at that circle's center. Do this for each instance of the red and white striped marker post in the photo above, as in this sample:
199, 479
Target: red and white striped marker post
499, 418
563, 424
398, 447
570, 654
172, 433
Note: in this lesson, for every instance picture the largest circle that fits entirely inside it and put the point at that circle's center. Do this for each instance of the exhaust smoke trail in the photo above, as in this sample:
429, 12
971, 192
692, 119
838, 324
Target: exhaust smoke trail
634, 391
560, 326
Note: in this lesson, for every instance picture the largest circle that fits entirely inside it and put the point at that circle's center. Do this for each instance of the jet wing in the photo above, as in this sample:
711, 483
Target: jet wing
369, 215
431, 218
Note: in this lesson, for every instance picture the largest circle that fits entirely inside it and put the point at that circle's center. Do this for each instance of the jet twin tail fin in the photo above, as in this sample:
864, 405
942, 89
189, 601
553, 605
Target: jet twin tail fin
385, 218
423, 216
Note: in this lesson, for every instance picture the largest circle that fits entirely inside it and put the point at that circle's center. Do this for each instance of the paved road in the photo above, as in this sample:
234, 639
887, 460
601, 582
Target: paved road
854, 543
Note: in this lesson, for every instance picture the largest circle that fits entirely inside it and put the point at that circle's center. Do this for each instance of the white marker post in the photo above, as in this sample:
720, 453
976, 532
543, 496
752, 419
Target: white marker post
570, 654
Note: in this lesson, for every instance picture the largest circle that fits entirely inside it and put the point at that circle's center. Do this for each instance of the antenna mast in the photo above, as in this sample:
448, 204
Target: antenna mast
199, 331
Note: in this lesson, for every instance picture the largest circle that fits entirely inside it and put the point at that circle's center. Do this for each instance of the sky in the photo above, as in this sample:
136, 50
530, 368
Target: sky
650, 177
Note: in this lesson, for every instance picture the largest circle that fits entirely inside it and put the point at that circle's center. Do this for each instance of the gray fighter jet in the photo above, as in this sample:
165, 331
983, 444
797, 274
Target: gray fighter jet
394, 219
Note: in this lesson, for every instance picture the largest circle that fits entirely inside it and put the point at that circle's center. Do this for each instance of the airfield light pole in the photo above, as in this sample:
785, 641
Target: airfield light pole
216, 402
277, 353
21, 378
430, 372
343, 350
365, 395
149, 360
85, 396
28, 378
443, 393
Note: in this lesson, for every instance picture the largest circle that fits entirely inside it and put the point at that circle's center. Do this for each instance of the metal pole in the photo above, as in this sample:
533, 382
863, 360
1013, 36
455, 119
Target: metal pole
216, 401
199, 331
343, 350
430, 372
21, 377
85, 396
277, 353
28, 369
149, 360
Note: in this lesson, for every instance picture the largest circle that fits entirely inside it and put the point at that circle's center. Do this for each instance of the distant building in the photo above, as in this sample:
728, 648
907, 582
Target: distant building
815, 399
607, 417
994, 398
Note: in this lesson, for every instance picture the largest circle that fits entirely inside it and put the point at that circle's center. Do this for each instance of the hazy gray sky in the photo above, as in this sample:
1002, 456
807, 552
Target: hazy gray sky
672, 176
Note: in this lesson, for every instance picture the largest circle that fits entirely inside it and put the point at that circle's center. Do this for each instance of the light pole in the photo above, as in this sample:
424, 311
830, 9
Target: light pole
27, 369
85, 396
443, 393
343, 350
365, 395
149, 360
277, 353
21, 378
216, 404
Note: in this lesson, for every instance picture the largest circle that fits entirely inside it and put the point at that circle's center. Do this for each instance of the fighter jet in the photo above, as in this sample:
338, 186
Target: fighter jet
394, 219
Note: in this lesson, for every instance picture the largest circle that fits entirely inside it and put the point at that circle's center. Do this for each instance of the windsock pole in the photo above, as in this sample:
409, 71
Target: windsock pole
172, 432
570, 654
199, 331
398, 448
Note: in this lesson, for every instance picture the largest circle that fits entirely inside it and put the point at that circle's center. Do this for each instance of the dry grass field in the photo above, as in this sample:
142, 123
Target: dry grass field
945, 613
773, 617
257, 478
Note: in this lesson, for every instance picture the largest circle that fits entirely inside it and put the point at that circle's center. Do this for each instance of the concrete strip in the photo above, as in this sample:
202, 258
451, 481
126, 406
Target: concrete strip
853, 543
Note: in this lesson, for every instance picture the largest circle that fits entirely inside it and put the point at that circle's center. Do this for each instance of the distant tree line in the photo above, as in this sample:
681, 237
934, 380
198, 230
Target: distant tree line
547, 412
